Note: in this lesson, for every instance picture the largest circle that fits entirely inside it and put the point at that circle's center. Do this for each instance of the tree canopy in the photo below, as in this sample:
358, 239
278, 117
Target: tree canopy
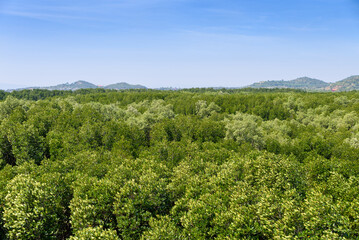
189, 164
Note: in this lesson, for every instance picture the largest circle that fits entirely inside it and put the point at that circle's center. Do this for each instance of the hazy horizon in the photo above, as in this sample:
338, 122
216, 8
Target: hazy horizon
99, 84
179, 43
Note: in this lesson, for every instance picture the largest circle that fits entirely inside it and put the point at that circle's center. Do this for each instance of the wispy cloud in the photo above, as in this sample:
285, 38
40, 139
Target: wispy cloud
227, 37
44, 16
61, 11
47, 12
90, 10
297, 28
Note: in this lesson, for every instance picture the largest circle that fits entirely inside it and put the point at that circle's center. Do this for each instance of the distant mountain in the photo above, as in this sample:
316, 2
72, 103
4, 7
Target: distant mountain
83, 84
299, 83
123, 85
71, 86
305, 83
347, 84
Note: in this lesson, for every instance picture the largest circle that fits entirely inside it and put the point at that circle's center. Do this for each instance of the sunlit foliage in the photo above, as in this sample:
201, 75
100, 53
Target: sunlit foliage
189, 164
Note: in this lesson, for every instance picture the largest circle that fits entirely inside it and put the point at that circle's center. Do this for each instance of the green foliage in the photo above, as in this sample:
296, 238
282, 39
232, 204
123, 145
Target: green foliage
189, 164
95, 233
29, 212
205, 110
244, 128
162, 228
6, 174
92, 203
138, 201
27, 144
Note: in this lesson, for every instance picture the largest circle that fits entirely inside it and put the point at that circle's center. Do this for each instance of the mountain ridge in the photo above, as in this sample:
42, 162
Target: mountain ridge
81, 84
306, 83
299, 83
303, 83
124, 85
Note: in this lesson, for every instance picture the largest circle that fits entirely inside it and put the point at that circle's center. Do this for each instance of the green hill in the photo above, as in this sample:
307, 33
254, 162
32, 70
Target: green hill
83, 85
347, 84
299, 83
72, 86
123, 85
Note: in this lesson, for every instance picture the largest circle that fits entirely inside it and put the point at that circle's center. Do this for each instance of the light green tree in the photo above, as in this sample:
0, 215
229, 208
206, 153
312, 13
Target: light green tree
95, 233
162, 228
29, 212
205, 110
245, 128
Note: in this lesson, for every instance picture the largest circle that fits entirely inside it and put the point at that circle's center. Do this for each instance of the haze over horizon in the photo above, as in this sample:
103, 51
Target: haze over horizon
178, 43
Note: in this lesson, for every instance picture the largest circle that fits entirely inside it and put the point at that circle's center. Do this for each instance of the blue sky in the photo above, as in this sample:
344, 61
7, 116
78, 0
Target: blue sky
178, 43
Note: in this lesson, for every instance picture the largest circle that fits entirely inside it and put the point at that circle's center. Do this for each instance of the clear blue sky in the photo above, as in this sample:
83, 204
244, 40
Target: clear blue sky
178, 43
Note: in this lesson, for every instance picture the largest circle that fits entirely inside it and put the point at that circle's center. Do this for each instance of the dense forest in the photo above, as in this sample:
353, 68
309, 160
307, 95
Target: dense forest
189, 164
